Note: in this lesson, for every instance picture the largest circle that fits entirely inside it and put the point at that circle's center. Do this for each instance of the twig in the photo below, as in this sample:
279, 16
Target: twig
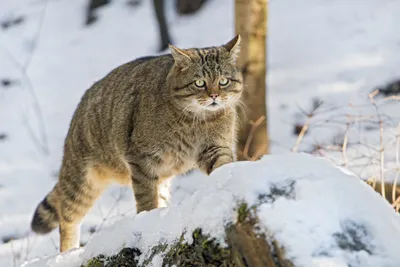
27, 247
382, 154
13, 253
306, 125
301, 134
117, 200
36, 105
31, 242
396, 204
393, 97
397, 165
253, 129
54, 244
23, 68
394, 186
367, 158
36, 38
345, 140
259, 152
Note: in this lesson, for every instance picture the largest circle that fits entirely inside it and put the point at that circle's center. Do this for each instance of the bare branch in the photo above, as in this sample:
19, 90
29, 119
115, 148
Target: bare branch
22, 68
345, 141
254, 126
394, 189
301, 135
382, 154
36, 38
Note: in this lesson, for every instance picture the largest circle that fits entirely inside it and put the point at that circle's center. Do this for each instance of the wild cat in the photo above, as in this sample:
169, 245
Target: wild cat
145, 121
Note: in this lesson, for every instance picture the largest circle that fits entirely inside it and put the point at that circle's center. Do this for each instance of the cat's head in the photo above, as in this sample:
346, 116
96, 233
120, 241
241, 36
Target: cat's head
206, 79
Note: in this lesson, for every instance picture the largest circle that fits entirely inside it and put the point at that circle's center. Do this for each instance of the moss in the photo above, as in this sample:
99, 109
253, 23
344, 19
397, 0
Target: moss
243, 212
197, 233
95, 262
204, 251
127, 257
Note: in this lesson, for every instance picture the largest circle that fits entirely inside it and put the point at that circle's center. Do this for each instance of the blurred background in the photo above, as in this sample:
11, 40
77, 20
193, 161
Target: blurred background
325, 60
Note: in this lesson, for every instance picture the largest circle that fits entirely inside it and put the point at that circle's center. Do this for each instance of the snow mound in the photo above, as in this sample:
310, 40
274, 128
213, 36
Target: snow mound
320, 214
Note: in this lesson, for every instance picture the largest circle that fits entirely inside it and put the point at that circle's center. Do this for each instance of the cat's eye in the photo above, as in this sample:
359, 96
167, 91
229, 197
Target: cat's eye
200, 83
223, 81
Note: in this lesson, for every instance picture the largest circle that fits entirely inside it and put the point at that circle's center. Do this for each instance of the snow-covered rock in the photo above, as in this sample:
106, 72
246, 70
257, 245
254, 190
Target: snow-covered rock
320, 215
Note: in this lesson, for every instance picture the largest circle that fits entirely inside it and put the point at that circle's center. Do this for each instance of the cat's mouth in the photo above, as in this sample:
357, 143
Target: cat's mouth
213, 106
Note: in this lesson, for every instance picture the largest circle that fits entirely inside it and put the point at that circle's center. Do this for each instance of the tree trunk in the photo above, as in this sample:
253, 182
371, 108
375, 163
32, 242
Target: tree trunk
92, 6
185, 7
165, 38
252, 250
251, 24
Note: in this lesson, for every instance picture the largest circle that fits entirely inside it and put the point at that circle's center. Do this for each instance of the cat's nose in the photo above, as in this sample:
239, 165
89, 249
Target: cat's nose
214, 96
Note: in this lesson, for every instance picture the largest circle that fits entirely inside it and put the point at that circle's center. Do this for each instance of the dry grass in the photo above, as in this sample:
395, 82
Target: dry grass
359, 154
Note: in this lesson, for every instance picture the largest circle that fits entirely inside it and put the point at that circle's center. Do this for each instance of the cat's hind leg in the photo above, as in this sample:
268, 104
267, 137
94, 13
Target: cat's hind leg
78, 188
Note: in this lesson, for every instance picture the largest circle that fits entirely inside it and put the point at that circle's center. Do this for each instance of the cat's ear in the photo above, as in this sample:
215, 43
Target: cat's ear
180, 56
233, 47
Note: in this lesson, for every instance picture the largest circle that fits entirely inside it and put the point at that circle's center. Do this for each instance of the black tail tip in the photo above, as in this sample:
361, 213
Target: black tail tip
39, 226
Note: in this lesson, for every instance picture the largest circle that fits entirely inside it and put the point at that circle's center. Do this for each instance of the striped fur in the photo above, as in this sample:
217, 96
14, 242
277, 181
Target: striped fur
45, 218
146, 121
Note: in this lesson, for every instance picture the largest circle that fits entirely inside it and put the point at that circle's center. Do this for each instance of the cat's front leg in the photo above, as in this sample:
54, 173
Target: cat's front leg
145, 187
214, 156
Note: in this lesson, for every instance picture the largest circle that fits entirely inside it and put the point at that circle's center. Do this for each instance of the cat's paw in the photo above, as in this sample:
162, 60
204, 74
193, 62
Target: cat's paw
218, 163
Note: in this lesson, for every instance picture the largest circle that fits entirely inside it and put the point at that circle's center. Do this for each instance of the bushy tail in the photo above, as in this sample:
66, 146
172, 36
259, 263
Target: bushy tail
45, 218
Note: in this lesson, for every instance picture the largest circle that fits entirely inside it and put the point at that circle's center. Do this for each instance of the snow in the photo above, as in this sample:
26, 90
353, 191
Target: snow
320, 214
336, 50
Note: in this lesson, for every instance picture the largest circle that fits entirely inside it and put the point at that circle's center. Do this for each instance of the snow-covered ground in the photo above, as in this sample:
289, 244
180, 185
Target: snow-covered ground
334, 50
344, 227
